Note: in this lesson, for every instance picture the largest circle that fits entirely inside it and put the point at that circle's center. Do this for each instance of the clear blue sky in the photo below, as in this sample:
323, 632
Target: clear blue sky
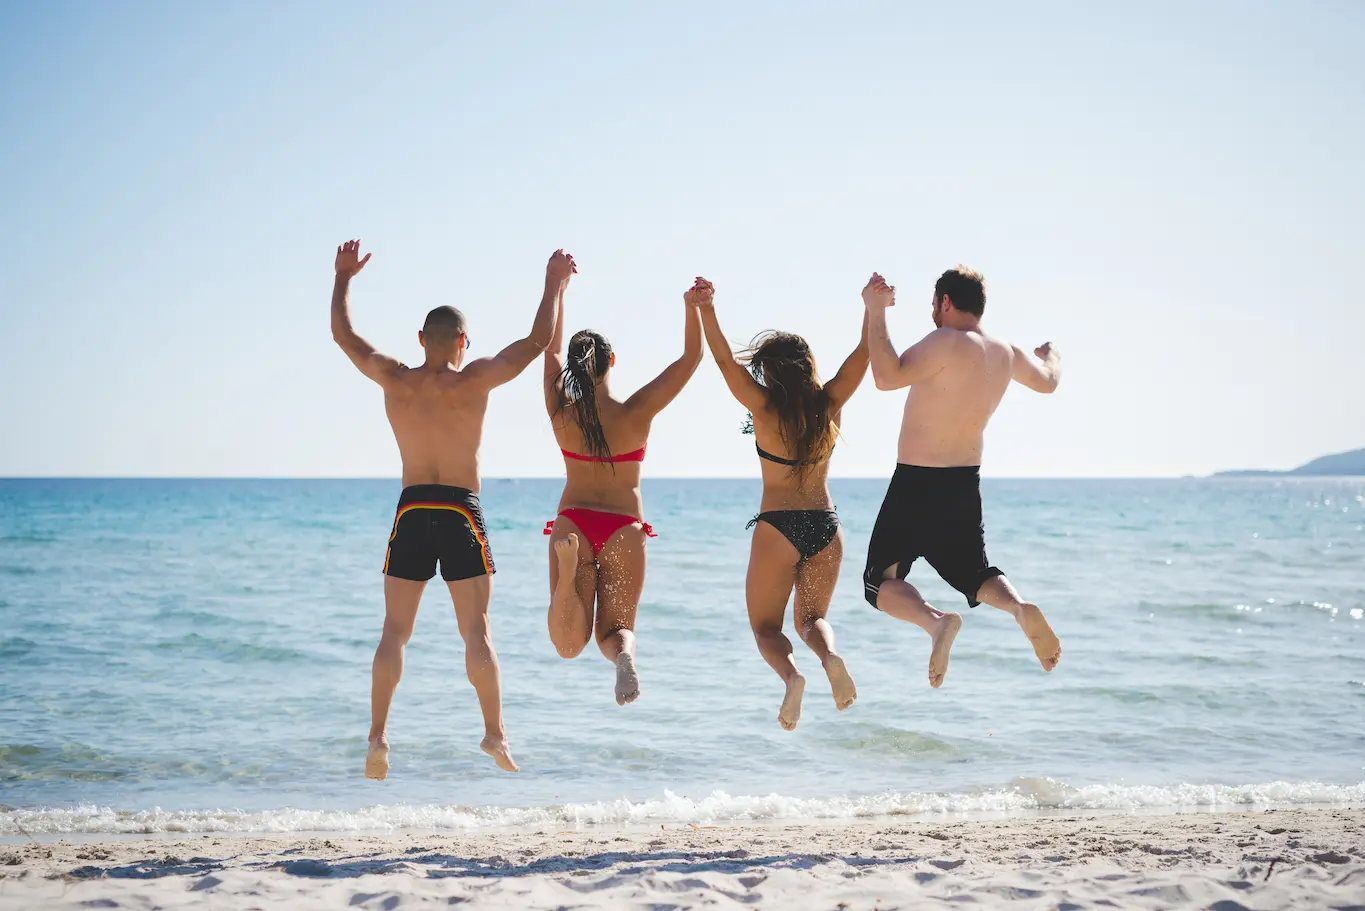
1171, 193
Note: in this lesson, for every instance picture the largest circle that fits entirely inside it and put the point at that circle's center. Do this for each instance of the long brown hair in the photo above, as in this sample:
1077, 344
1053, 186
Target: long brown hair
784, 364
586, 361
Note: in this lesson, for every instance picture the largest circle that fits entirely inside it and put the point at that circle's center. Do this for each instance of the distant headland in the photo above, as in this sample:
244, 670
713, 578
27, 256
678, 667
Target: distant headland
1343, 464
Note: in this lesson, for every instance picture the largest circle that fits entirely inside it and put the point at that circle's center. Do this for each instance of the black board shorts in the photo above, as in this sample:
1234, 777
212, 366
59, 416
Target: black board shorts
436, 523
934, 513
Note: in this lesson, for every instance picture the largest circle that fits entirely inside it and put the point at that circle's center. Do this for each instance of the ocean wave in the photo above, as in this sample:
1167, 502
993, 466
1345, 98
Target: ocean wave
1023, 797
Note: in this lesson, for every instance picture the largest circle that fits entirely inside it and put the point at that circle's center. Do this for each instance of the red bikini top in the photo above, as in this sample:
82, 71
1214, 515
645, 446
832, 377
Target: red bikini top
636, 456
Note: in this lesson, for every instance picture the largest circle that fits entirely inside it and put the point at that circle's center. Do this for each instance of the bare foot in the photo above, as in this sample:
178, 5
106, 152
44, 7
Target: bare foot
790, 713
1045, 644
497, 748
844, 691
566, 549
377, 760
943, 644
627, 680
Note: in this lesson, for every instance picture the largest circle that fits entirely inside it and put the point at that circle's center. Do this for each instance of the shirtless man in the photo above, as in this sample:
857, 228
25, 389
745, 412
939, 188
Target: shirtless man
957, 375
437, 411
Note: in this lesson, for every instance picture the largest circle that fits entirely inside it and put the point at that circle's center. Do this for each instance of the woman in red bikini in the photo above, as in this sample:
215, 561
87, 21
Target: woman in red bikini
797, 544
597, 542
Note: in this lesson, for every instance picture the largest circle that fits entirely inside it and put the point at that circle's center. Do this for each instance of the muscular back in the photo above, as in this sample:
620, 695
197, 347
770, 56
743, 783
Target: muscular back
437, 419
946, 413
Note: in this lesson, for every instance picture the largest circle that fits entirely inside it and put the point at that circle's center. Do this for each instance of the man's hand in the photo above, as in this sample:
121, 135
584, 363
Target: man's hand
701, 294
560, 267
348, 258
1043, 351
877, 294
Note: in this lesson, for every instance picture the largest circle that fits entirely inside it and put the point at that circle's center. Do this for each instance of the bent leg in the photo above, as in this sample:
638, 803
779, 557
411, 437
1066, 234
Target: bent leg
998, 592
815, 581
471, 597
620, 582
573, 588
767, 587
902, 600
401, 600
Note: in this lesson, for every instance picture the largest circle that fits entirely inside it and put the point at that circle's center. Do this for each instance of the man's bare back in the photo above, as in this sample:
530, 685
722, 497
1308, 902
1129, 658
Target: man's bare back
437, 412
957, 376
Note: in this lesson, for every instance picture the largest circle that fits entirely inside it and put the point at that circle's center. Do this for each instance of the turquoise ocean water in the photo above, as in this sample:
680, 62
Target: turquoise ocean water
191, 655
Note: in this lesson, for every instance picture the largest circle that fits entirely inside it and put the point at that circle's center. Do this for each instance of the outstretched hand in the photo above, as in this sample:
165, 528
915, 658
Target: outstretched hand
560, 267
701, 294
1043, 351
348, 258
877, 293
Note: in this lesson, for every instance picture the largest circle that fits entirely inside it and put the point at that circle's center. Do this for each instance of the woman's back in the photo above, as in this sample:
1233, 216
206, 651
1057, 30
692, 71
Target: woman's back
606, 481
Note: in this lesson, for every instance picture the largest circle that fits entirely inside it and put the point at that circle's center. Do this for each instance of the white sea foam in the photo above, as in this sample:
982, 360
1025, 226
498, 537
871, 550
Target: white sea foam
1023, 797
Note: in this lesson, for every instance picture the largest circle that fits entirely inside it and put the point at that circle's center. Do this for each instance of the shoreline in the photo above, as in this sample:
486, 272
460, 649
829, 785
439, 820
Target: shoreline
1268, 858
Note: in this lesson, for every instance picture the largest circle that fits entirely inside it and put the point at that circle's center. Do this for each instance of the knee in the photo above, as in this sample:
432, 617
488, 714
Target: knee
475, 631
396, 632
569, 649
766, 629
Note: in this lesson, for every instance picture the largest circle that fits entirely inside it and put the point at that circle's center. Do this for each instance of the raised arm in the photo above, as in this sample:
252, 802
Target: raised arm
655, 395
508, 363
1040, 377
554, 357
378, 367
742, 383
851, 373
919, 362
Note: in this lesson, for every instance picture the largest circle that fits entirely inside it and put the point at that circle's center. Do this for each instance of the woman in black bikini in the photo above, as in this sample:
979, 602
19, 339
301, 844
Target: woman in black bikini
597, 542
796, 544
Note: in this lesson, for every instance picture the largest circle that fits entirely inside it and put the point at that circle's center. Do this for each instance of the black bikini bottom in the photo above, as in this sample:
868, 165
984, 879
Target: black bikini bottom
809, 530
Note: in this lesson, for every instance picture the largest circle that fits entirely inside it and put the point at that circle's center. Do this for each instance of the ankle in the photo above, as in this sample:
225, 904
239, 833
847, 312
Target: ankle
381, 739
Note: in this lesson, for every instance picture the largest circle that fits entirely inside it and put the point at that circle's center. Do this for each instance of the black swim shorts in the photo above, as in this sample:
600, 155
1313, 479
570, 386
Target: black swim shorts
436, 522
934, 513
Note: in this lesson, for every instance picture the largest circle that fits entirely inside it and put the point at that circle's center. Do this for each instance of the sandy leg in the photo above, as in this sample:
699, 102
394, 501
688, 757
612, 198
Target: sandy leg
1045, 643
840, 682
627, 679
790, 713
942, 644
497, 748
377, 760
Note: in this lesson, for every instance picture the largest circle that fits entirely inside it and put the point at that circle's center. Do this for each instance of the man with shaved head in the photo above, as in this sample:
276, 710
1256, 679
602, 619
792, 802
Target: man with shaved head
437, 411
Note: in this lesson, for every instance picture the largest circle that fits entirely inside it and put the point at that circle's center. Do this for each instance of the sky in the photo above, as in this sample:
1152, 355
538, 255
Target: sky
1171, 193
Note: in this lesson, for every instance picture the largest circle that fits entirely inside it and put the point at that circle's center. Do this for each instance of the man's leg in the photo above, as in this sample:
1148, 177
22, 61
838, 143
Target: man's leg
471, 597
900, 599
998, 592
401, 598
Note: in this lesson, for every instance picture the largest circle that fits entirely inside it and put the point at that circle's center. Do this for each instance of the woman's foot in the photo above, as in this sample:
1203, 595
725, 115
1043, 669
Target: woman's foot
790, 713
377, 759
627, 679
840, 682
497, 748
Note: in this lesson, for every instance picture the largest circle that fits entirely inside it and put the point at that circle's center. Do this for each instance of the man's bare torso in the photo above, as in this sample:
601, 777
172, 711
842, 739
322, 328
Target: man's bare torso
437, 418
945, 417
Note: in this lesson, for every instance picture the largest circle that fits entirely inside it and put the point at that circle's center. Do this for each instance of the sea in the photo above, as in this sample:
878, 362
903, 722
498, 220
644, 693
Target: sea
194, 656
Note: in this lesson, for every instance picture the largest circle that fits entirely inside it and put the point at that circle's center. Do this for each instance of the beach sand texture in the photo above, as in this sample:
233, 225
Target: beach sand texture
1272, 859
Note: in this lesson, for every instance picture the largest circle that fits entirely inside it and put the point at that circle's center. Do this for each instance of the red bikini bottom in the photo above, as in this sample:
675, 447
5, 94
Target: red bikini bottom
597, 527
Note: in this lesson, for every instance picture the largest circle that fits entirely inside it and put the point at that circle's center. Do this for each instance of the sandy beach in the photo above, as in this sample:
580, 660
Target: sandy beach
1228, 861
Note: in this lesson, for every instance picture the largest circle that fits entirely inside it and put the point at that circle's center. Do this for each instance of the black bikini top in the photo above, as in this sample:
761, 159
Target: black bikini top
791, 463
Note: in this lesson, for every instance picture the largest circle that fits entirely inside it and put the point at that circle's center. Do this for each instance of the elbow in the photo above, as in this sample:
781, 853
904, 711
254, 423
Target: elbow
882, 382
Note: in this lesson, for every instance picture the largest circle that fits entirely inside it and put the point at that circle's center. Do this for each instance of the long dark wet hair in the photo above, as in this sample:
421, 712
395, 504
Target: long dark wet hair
784, 364
586, 362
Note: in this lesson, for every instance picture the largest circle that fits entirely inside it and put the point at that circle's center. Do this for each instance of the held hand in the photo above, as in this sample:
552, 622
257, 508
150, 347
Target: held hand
348, 258
701, 294
560, 267
1044, 351
878, 294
